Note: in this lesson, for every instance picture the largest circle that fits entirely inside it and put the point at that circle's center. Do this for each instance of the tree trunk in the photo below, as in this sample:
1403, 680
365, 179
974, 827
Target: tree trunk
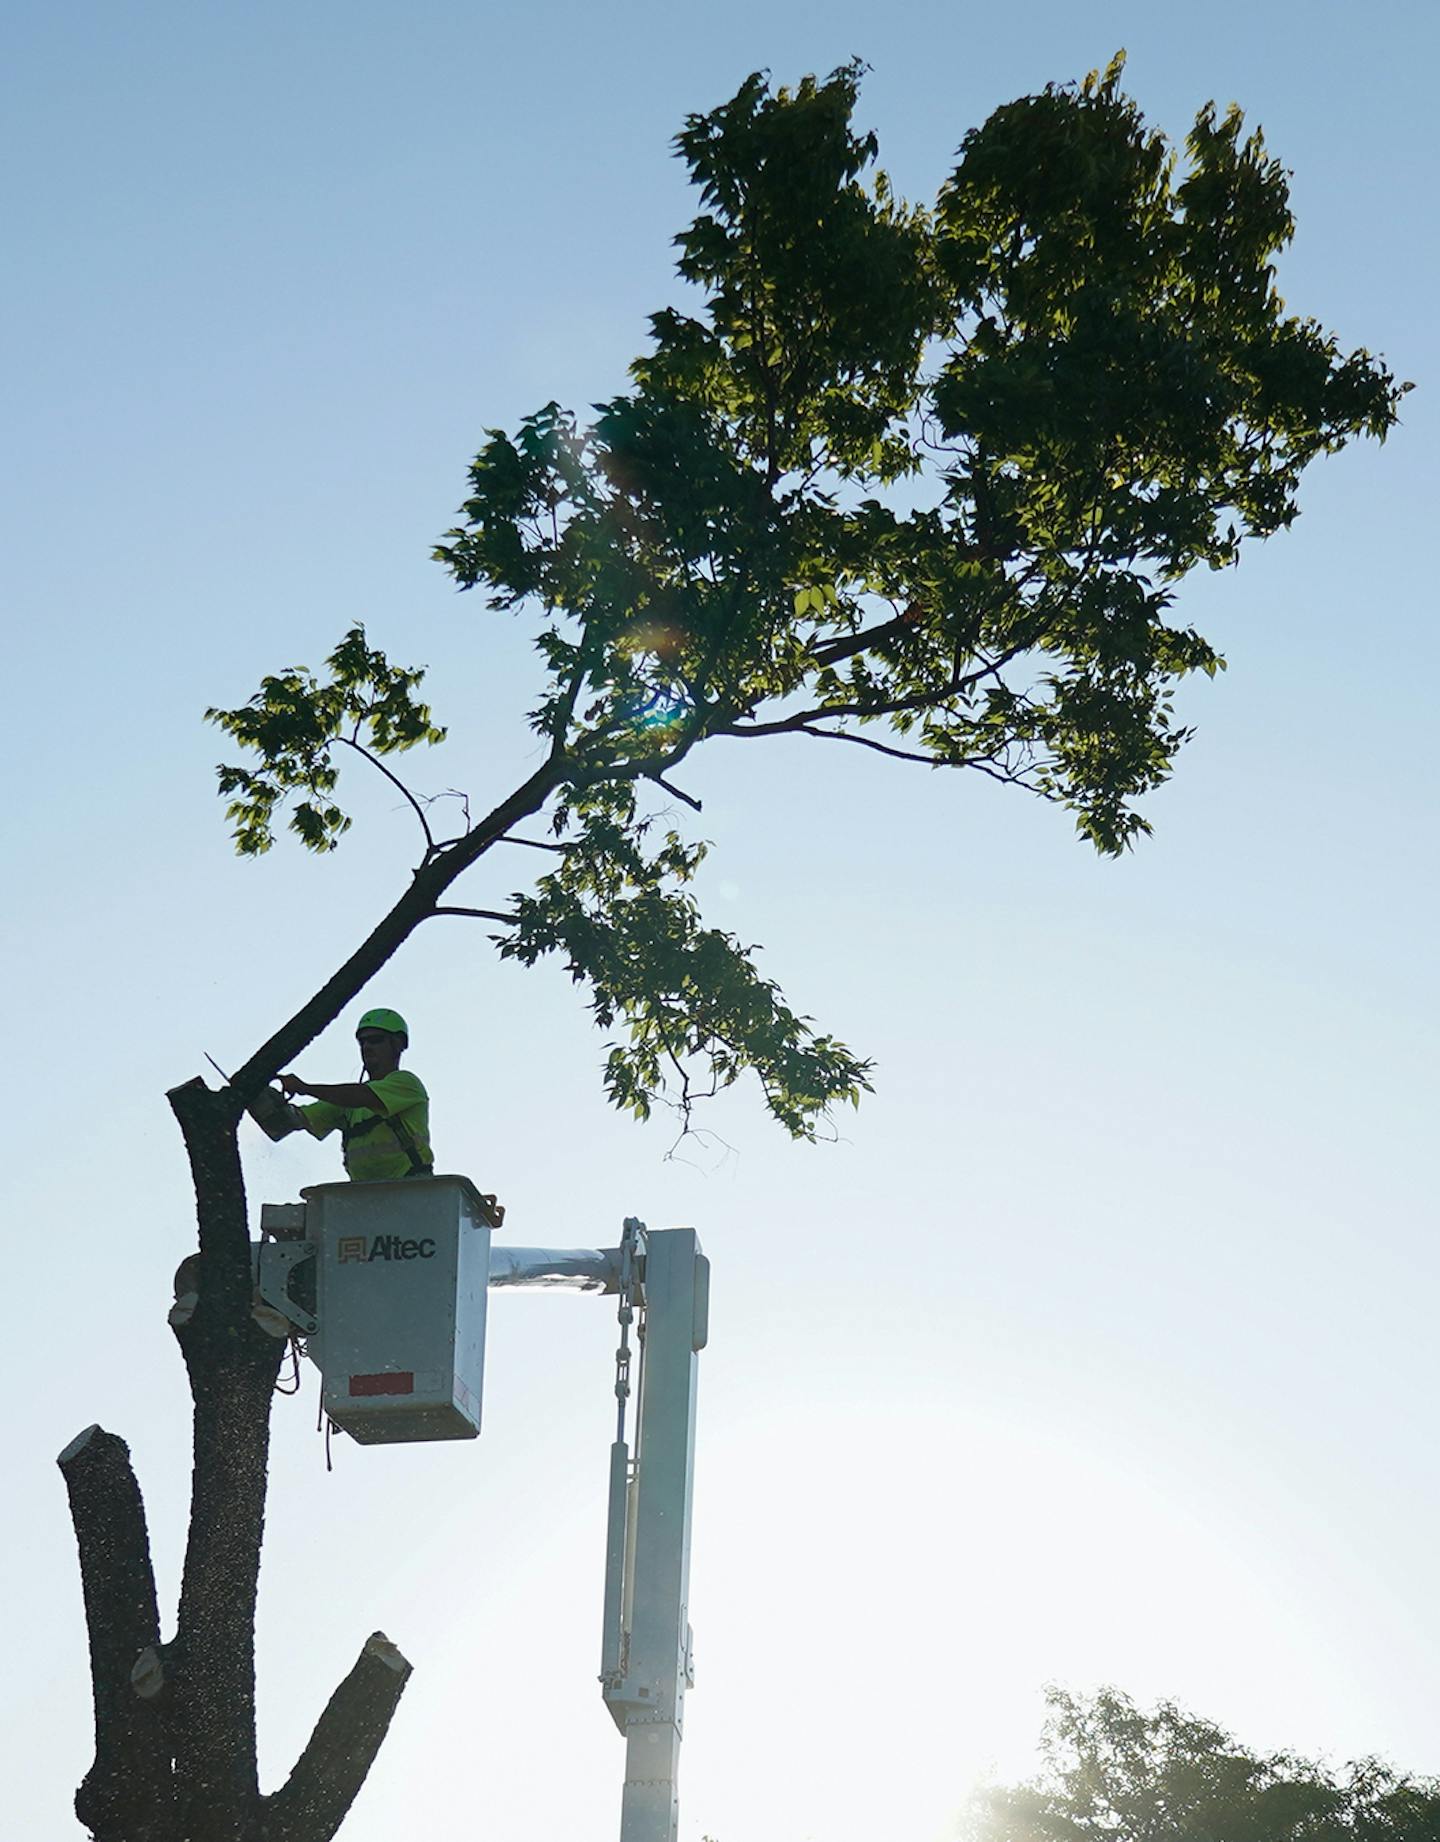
175, 1723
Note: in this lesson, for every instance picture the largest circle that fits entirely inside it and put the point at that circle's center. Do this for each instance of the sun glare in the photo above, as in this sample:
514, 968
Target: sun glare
863, 1681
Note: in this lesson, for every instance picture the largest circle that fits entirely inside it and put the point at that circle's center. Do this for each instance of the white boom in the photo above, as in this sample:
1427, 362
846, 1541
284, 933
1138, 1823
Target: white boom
408, 1272
646, 1661
663, 1282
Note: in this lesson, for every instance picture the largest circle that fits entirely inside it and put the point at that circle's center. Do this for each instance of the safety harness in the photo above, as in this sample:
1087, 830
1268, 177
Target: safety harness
404, 1137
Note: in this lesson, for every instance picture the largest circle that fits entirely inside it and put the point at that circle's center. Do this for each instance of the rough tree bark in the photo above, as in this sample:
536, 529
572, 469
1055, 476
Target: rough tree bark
175, 1756
175, 1723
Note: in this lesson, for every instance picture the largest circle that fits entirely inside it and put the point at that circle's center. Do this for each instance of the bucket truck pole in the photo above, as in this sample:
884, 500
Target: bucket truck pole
645, 1684
396, 1317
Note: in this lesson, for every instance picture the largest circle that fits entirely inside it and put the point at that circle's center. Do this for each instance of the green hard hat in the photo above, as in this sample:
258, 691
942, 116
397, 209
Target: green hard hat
384, 1020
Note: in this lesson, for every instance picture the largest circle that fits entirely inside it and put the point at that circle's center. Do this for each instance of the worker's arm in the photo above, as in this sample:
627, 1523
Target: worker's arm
344, 1094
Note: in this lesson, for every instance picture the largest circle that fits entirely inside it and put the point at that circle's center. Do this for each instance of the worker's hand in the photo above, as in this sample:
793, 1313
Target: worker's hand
291, 1084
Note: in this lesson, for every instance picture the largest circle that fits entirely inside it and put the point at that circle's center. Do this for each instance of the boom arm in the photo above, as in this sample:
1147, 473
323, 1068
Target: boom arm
647, 1663
663, 1284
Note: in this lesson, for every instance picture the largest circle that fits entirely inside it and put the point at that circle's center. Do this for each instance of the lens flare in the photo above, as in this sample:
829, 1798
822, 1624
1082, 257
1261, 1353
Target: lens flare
658, 710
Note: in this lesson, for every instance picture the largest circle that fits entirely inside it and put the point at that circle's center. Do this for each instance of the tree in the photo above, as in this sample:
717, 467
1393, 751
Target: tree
916, 481
1116, 1774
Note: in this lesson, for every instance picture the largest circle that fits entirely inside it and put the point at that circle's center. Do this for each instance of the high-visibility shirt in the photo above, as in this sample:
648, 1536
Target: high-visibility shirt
385, 1145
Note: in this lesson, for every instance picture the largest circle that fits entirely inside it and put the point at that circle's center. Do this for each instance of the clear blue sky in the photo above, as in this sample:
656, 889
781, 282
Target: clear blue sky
1102, 1347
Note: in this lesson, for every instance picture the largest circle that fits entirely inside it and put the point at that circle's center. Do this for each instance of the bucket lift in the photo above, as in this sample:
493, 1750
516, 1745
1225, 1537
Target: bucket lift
400, 1279
389, 1284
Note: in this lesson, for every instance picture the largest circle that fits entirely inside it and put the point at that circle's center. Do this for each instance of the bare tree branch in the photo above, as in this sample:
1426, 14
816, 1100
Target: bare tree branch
930, 698
433, 799
126, 1792
480, 914
880, 748
395, 781
678, 792
982, 764
328, 1774
428, 884
538, 844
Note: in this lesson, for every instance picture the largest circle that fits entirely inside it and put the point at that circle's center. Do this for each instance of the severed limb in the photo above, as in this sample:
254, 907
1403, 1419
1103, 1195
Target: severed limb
127, 1793
311, 1806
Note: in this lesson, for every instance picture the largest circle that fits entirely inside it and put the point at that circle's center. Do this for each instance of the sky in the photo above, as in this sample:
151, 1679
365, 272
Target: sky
1100, 1347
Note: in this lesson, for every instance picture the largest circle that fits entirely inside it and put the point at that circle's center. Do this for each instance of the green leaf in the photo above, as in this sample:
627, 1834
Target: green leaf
293, 724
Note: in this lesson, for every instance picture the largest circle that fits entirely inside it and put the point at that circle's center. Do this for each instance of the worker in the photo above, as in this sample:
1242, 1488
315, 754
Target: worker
383, 1121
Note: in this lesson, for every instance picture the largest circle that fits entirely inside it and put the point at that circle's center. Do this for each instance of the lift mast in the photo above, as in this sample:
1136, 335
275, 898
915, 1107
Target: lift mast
647, 1662
404, 1268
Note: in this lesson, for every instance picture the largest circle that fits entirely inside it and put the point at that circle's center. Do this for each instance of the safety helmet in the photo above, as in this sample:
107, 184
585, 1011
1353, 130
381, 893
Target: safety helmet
390, 1021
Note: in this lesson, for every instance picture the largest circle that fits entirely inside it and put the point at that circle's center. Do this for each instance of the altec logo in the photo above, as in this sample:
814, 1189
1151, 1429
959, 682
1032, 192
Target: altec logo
383, 1247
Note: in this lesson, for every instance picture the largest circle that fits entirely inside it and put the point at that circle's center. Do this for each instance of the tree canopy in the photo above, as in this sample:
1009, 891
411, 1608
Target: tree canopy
921, 480
1114, 1773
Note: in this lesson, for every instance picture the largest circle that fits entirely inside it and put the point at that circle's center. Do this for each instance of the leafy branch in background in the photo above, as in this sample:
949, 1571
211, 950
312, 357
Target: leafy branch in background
1114, 1773
918, 480
293, 723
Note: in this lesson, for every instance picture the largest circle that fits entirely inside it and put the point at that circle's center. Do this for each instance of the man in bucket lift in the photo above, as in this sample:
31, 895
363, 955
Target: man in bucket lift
384, 1120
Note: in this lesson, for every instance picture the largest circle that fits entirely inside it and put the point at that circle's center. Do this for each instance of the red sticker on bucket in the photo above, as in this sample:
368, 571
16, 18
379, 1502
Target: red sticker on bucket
399, 1381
